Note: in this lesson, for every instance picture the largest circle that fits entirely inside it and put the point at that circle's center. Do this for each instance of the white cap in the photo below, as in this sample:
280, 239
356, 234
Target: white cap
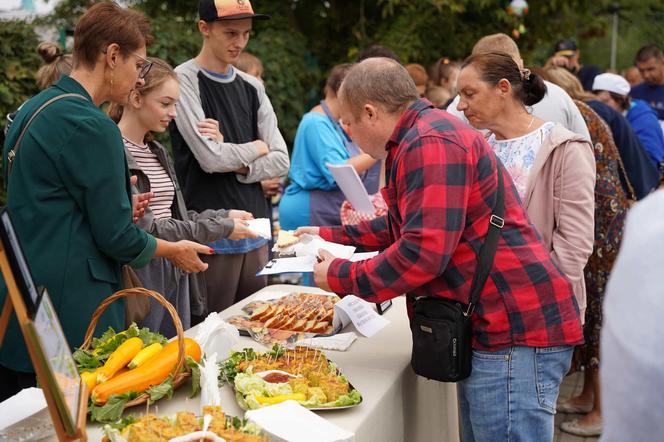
612, 83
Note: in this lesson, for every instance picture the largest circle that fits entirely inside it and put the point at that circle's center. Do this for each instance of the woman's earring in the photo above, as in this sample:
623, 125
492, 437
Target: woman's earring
112, 72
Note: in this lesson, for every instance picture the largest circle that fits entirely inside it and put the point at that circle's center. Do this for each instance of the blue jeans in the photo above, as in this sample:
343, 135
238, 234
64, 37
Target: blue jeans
511, 394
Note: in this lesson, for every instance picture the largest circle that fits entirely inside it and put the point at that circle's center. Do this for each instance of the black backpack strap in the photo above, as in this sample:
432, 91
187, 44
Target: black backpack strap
14, 150
488, 249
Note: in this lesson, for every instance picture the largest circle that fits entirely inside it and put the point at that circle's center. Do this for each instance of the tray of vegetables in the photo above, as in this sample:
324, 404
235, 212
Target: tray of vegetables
136, 365
302, 374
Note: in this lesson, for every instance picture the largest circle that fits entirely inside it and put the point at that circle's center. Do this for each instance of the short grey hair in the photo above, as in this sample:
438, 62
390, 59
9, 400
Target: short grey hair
381, 81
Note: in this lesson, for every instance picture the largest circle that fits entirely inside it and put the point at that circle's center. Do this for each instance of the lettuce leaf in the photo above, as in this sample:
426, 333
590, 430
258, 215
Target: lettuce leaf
195, 376
112, 409
157, 392
86, 361
228, 369
352, 398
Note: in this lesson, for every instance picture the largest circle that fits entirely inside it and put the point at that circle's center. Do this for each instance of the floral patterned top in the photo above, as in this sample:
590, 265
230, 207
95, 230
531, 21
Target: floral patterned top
518, 154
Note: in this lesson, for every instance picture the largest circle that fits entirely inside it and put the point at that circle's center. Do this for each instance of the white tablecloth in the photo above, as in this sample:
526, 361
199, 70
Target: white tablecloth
397, 405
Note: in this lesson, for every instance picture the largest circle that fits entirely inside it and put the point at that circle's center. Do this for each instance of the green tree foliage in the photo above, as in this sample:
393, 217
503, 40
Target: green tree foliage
20, 61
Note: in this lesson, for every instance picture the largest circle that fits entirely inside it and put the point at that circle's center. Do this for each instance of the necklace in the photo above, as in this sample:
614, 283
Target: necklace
531, 122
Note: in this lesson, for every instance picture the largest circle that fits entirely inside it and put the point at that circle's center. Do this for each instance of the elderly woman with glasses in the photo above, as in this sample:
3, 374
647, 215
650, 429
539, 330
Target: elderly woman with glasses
68, 186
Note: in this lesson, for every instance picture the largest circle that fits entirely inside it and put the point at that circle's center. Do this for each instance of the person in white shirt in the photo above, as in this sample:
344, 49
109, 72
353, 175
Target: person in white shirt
632, 370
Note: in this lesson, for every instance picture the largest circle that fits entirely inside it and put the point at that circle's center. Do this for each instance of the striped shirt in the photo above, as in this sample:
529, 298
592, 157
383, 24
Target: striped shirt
160, 182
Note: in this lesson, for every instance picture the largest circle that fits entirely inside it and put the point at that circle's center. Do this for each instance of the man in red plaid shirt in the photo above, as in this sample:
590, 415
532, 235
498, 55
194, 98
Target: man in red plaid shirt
441, 181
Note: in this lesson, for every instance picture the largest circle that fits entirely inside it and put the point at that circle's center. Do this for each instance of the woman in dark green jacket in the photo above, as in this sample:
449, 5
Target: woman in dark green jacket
68, 190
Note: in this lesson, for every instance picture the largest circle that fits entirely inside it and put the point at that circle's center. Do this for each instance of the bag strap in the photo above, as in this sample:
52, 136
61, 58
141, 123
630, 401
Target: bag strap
14, 150
488, 249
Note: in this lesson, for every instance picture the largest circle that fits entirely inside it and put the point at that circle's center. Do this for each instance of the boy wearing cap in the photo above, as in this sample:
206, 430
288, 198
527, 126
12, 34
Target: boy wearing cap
567, 56
225, 142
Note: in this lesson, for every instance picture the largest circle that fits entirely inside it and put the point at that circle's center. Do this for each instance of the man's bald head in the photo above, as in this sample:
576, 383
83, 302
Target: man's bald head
498, 43
381, 81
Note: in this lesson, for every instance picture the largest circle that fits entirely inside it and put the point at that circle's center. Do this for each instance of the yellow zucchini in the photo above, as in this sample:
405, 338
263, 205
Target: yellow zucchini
119, 358
144, 355
153, 372
90, 379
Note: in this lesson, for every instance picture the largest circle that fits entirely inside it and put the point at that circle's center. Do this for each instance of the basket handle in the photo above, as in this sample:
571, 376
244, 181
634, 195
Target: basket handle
142, 292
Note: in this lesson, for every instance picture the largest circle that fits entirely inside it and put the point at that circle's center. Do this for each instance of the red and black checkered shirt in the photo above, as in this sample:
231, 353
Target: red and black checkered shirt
440, 192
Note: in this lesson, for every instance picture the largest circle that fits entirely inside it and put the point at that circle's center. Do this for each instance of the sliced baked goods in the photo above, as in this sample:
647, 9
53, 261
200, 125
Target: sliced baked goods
286, 239
302, 312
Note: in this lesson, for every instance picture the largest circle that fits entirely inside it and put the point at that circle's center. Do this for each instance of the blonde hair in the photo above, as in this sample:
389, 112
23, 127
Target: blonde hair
570, 84
497, 43
418, 74
159, 73
247, 62
57, 64
438, 95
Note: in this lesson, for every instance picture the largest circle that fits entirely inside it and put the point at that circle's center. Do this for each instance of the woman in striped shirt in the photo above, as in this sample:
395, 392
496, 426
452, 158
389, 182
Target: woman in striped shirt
150, 109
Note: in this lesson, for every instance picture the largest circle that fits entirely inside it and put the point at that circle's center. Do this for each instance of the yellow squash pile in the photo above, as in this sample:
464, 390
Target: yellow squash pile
135, 368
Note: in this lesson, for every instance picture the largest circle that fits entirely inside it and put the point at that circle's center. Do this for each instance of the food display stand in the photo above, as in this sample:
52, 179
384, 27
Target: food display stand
397, 405
65, 393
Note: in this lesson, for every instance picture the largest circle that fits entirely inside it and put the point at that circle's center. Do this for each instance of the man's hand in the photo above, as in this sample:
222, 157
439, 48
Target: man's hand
239, 214
261, 147
311, 230
210, 128
320, 269
241, 230
271, 187
139, 201
242, 170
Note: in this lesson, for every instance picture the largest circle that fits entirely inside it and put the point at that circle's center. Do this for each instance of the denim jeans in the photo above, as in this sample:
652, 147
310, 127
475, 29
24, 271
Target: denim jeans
511, 394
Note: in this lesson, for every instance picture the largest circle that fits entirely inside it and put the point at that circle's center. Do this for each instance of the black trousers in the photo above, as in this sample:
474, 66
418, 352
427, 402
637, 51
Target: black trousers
11, 382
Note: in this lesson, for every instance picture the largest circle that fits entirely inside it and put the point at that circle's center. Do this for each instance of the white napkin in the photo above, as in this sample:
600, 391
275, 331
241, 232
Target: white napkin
341, 341
261, 226
210, 382
309, 245
23, 404
216, 335
25, 417
291, 422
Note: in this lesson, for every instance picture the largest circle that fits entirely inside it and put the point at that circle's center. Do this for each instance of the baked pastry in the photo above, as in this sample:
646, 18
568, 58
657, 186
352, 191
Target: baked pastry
286, 239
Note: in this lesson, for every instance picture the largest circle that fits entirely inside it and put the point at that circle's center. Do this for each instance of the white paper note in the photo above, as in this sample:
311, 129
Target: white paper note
310, 244
350, 184
261, 227
298, 264
361, 313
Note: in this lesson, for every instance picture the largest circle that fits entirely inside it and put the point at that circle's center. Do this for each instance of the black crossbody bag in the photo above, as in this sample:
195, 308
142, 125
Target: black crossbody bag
441, 328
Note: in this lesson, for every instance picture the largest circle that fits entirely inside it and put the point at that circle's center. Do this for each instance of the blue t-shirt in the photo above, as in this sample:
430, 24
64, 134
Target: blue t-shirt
317, 142
653, 95
644, 122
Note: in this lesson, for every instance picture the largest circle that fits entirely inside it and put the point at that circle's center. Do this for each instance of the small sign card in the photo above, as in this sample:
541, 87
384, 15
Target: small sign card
360, 313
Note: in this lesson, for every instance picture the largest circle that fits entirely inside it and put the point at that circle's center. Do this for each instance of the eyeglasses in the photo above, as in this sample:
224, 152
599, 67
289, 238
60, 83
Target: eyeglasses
145, 67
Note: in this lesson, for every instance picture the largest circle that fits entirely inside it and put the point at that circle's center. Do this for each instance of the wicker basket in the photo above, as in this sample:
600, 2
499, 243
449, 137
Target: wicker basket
180, 374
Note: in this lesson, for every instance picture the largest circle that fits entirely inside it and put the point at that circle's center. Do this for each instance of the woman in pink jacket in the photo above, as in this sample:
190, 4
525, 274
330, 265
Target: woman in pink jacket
553, 169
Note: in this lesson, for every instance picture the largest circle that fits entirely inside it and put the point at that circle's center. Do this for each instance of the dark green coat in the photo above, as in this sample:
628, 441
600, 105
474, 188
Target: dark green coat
70, 201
